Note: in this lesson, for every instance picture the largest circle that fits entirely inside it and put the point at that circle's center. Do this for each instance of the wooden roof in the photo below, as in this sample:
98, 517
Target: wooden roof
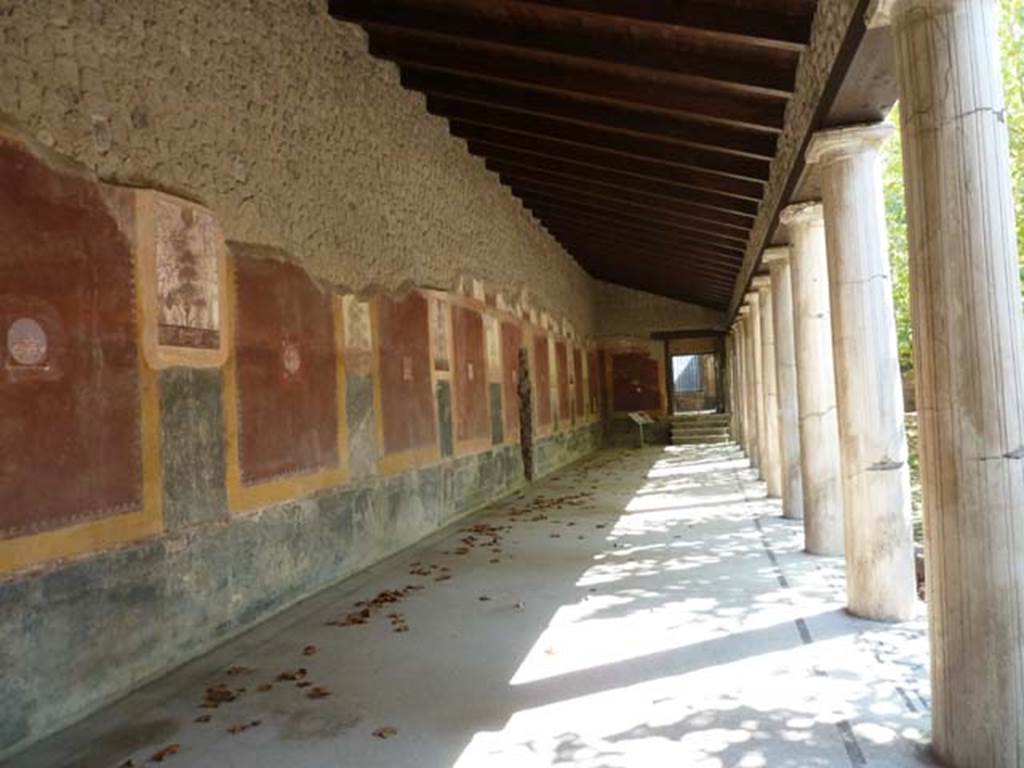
639, 132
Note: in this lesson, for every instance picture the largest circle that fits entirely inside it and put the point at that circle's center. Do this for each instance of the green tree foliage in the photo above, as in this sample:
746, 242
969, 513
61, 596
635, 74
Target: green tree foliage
1011, 43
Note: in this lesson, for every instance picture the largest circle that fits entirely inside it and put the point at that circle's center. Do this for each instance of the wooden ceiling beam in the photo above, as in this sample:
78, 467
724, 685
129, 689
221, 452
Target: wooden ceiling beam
786, 25
624, 201
658, 287
586, 183
505, 161
562, 75
609, 39
522, 144
554, 218
617, 211
586, 110
687, 256
639, 266
466, 116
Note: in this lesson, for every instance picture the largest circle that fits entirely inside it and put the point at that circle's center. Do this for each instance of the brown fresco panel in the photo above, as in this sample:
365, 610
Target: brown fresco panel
577, 367
407, 402
472, 419
511, 342
562, 365
635, 382
70, 420
542, 380
286, 371
594, 382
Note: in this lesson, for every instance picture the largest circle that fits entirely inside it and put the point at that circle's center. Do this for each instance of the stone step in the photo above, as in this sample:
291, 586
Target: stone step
701, 440
715, 420
691, 432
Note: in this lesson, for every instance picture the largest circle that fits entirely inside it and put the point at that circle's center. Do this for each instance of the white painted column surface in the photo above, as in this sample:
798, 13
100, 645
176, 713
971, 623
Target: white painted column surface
777, 260
756, 355
732, 371
750, 430
769, 392
812, 334
880, 577
968, 352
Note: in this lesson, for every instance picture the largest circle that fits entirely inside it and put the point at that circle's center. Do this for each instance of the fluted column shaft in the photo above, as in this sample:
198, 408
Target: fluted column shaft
757, 358
819, 428
785, 371
968, 352
880, 580
769, 390
749, 387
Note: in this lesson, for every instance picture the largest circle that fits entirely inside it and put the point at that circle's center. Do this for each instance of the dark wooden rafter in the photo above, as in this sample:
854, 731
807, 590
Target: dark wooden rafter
469, 120
495, 140
639, 134
678, 50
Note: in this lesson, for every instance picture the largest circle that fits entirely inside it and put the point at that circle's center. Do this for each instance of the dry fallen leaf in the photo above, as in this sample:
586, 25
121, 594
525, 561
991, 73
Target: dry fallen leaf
263, 688
320, 692
295, 674
310, 650
385, 732
163, 754
237, 670
203, 719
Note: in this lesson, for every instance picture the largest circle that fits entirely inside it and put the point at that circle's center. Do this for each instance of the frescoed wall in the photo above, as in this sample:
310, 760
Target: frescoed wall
542, 381
595, 377
472, 418
562, 372
511, 342
408, 422
578, 383
637, 382
75, 401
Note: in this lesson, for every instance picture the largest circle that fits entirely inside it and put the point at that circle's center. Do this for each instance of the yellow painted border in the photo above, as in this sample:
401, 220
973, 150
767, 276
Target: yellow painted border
96, 535
250, 498
394, 463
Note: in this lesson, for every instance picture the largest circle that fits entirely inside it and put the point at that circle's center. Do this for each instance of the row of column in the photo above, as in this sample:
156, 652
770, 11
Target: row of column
817, 381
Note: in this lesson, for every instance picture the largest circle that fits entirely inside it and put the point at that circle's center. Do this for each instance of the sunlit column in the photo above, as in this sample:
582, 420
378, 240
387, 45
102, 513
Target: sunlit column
816, 390
750, 430
968, 348
769, 391
880, 580
757, 367
777, 260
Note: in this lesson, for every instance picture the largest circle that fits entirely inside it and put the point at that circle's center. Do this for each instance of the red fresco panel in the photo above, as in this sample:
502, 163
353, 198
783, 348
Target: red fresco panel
70, 420
472, 418
511, 342
562, 365
542, 380
635, 382
407, 401
286, 371
594, 381
577, 367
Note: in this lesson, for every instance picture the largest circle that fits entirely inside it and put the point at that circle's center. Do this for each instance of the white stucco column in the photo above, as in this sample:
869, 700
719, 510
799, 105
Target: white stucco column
968, 352
880, 580
816, 391
750, 417
757, 358
769, 391
777, 260
735, 385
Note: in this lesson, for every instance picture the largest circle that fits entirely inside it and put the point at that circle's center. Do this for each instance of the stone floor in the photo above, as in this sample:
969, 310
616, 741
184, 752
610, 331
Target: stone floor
644, 608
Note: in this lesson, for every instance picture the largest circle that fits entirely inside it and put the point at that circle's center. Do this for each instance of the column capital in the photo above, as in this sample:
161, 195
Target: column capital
743, 310
761, 283
879, 13
803, 214
839, 143
753, 297
777, 254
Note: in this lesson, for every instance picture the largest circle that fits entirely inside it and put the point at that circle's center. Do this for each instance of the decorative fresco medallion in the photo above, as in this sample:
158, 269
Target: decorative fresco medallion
26, 342
291, 358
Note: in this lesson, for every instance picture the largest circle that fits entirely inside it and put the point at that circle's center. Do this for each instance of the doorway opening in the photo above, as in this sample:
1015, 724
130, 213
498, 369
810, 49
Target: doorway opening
694, 383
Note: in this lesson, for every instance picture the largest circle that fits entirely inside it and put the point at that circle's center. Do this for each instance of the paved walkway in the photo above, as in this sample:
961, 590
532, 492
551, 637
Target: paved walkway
643, 609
